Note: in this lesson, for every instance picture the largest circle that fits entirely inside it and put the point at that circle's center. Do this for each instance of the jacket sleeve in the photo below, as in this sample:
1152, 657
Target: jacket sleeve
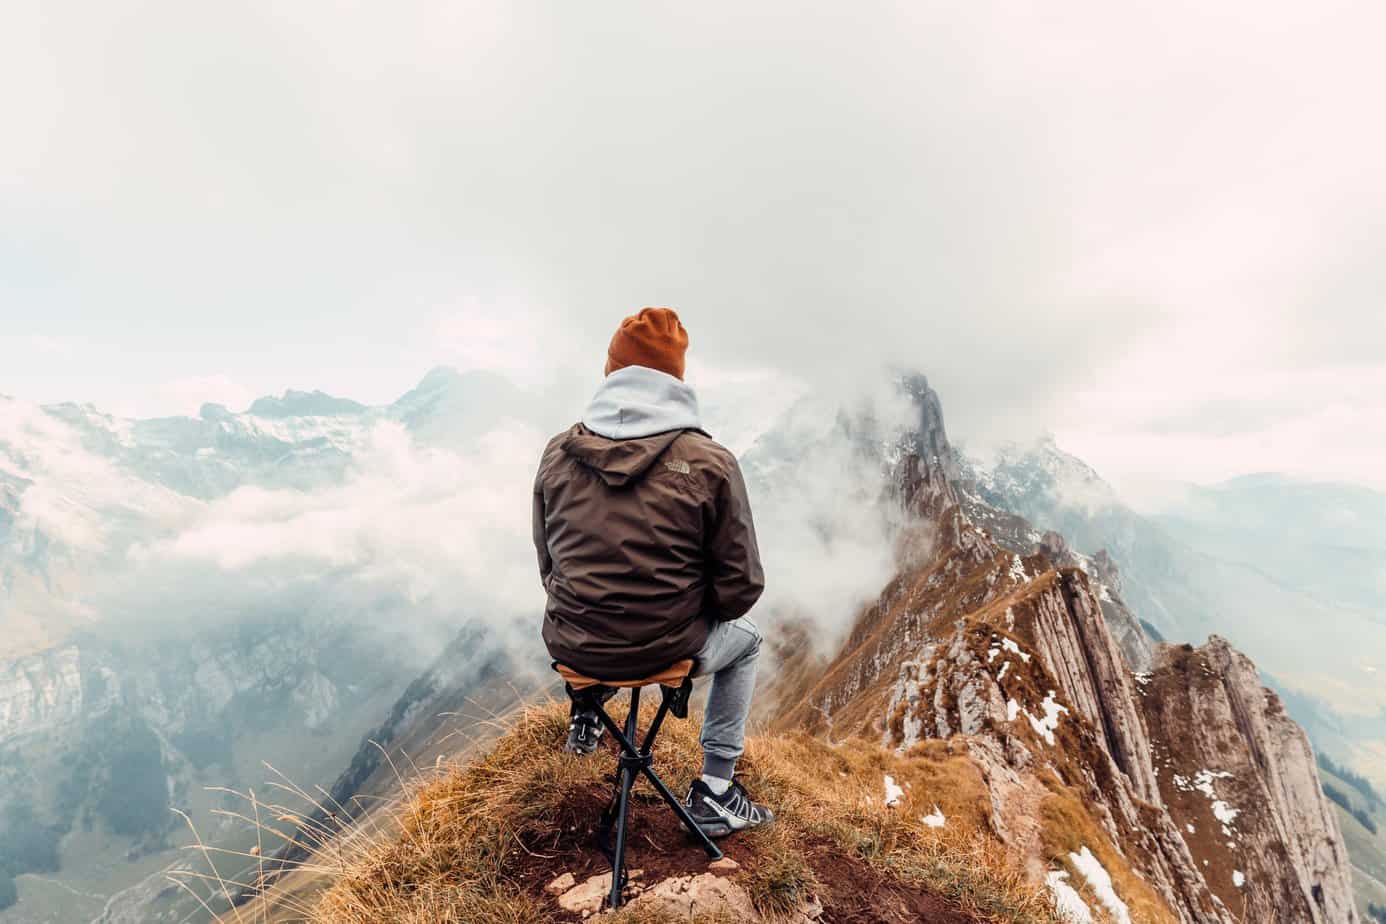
733, 556
541, 539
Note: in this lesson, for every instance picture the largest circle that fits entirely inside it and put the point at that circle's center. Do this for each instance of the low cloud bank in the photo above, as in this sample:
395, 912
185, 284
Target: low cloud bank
415, 539
416, 536
827, 529
411, 543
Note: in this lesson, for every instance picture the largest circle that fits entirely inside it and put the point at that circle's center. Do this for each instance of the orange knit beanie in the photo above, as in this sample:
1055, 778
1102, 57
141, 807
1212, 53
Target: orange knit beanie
653, 338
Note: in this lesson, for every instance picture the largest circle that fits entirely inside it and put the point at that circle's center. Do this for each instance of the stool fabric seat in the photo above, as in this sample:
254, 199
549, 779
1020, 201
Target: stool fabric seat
671, 676
634, 760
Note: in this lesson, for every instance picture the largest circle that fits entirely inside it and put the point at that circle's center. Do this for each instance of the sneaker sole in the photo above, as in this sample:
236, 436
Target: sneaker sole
571, 748
721, 828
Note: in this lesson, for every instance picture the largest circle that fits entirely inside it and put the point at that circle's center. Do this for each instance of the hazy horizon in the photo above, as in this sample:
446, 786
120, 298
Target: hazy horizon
1172, 268
1145, 493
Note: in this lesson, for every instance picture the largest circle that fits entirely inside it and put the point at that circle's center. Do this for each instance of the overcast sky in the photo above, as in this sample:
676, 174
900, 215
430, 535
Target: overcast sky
1155, 230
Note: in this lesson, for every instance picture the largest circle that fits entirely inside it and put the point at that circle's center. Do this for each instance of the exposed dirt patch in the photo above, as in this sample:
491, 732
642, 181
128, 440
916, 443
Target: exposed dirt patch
850, 890
854, 892
657, 845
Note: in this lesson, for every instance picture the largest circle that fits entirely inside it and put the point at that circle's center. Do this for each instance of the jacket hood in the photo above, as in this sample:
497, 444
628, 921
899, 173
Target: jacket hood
638, 401
618, 462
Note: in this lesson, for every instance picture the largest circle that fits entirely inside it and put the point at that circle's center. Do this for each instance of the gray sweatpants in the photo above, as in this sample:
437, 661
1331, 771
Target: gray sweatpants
730, 656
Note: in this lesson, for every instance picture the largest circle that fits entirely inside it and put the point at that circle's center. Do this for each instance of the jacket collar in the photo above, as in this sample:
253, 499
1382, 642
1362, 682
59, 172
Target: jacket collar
636, 401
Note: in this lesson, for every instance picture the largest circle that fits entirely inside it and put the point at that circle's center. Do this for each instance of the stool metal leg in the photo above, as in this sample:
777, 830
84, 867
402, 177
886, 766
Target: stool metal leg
632, 718
627, 773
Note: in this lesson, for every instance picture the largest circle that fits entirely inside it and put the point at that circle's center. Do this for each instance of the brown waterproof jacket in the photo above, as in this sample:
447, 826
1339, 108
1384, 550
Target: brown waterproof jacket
642, 544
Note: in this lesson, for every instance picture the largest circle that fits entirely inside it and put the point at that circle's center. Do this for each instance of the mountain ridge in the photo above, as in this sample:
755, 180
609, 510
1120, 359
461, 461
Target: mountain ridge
947, 680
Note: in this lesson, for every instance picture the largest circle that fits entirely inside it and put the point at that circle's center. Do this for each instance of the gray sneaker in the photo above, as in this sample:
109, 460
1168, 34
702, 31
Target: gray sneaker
584, 731
721, 815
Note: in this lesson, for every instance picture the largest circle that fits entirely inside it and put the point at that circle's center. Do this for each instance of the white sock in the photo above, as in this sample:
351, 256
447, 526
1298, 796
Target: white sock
716, 784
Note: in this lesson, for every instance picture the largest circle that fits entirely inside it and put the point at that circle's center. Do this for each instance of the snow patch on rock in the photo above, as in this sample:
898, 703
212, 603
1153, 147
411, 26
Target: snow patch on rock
1202, 782
999, 644
1046, 725
1067, 902
1100, 881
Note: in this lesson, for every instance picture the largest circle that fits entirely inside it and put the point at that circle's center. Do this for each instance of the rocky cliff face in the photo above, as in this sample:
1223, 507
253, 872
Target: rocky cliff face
45, 691
1004, 638
1288, 570
1007, 526
1240, 780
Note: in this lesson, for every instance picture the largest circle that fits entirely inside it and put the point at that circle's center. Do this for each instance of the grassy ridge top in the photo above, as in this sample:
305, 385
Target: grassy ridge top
476, 842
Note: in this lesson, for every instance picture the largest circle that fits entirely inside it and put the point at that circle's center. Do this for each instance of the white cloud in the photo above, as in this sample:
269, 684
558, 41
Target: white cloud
74, 497
511, 337
1321, 422
1033, 205
427, 534
38, 344
825, 534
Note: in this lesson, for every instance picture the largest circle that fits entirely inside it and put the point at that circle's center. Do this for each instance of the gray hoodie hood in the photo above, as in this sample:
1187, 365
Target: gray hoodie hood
637, 401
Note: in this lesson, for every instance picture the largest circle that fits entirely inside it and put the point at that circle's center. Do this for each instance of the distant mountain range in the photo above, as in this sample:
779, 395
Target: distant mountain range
183, 598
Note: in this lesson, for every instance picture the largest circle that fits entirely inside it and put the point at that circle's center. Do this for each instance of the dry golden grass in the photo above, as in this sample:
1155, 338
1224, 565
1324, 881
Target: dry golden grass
1067, 829
466, 843
837, 793
458, 833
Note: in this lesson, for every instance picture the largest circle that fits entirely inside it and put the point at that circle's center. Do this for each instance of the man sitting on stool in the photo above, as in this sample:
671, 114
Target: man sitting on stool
648, 554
